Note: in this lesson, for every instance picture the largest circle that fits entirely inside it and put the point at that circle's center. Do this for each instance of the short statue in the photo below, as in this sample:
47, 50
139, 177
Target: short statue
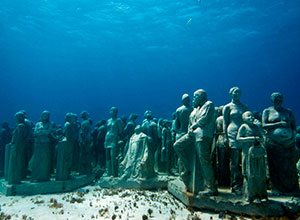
232, 114
137, 163
253, 158
280, 142
197, 143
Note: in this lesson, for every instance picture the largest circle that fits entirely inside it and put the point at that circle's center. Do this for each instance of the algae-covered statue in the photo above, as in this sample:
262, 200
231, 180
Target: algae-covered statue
232, 114
182, 117
40, 163
5, 138
111, 144
197, 142
85, 144
66, 147
253, 158
280, 126
17, 155
137, 164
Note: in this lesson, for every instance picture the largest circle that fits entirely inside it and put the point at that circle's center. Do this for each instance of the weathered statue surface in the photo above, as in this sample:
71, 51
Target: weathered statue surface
40, 164
15, 168
112, 138
137, 164
197, 142
253, 158
232, 115
280, 126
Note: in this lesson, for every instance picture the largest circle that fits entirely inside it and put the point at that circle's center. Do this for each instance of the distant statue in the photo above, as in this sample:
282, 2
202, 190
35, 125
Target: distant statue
149, 126
29, 145
182, 117
98, 143
222, 151
198, 142
85, 144
112, 141
137, 163
40, 164
5, 138
280, 126
232, 114
65, 148
17, 155
129, 130
253, 158
167, 151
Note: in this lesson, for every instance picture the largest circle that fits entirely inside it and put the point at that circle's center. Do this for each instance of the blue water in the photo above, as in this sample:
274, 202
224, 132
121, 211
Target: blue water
65, 55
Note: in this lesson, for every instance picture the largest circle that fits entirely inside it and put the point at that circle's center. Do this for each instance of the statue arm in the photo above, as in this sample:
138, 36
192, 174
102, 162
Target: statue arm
242, 135
270, 125
226, 120
207, 111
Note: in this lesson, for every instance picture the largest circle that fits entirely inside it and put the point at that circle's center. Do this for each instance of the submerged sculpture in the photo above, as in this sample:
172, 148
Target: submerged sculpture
17, 156
198, 140
280, 143
40, 164
112, 138
232, 114
253, 158
137, 163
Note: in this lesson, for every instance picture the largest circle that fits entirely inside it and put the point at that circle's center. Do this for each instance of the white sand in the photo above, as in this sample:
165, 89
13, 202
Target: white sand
93, 202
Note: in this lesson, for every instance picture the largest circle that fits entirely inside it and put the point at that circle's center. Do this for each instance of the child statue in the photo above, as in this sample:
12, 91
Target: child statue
253, 158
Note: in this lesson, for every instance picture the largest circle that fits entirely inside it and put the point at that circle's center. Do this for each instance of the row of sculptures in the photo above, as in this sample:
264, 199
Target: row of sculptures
207, 146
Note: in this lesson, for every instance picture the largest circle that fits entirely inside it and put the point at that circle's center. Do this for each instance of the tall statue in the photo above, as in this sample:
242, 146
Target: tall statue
280, 126
137, 163
17, 148
112, 141
198, 142
41, 160
5, 138
66, 147
85, 144
253, 158
232, 115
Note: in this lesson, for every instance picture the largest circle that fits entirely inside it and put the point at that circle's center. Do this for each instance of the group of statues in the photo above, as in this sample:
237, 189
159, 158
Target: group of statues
207, 146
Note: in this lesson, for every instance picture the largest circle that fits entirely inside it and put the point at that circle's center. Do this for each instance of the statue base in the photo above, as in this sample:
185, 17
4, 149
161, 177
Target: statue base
158, 182
228, 203
33, 188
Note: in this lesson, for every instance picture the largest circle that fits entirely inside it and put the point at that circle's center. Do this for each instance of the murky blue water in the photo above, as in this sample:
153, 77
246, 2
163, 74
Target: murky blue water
64, 55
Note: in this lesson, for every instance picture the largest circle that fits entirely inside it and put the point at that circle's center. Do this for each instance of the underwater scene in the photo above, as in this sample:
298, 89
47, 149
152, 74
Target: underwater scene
90, 55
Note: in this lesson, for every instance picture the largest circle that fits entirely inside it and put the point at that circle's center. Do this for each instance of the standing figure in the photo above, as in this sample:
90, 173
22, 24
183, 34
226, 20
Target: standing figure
253, 158
40, 163
85, 144
111, 144
17, 145
5, 138
222, 152
232, 114
198, 142
280, 142
167, 150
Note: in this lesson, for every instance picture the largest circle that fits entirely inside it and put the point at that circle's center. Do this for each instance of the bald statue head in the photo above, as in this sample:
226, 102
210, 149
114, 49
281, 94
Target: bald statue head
185, 99
199, 98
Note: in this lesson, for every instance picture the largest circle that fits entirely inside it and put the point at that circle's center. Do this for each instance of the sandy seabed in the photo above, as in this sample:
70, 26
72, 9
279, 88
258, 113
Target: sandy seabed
93, 202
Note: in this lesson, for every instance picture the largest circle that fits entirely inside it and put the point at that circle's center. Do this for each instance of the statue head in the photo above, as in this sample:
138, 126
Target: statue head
113, 112
235, 93
84, 115
132, 117
20, 117
45, 116
248, 117
148, 115
185, 99
277, 99
199, 98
